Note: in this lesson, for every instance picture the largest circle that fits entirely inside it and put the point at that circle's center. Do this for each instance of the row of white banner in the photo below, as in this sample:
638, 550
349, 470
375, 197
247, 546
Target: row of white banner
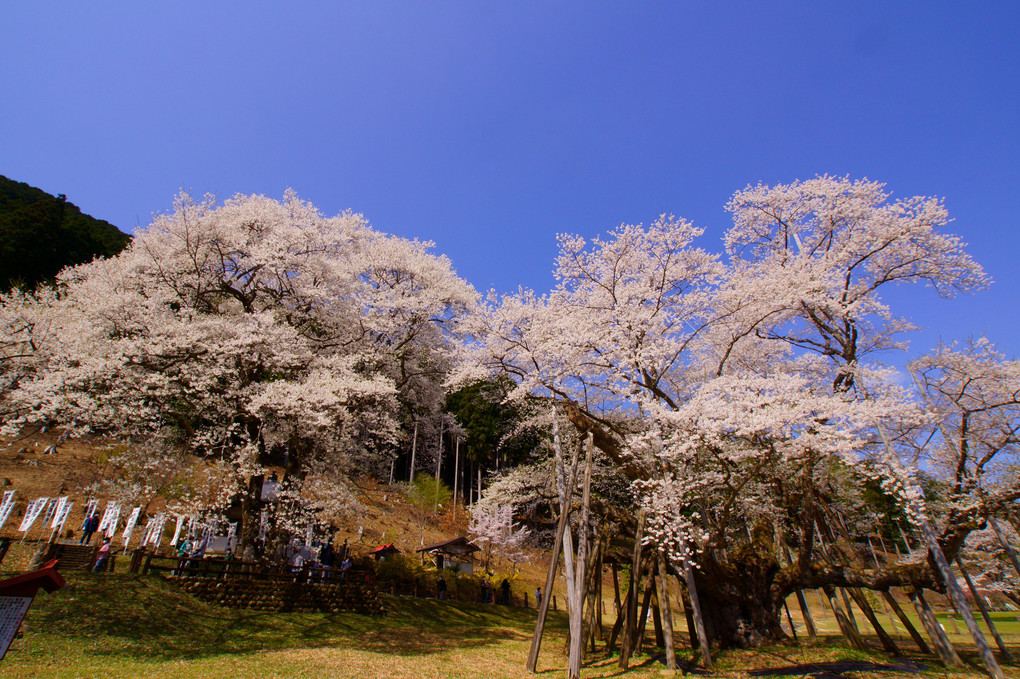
56, 510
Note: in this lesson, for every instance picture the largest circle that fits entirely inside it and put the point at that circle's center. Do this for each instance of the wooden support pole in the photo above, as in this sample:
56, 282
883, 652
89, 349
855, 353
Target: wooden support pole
692, 631
598, 586
456, 472
943, 647
849, 611
849, 631
667, 613
594, 576
959, 602
699, 620
576, 602
550, 578
639, 636
660, 638
984, 612
862, 602
616, 589
789, 619
630, 624
621, 618
914, 634
937, 555
1005, 545
414, 449
805, 612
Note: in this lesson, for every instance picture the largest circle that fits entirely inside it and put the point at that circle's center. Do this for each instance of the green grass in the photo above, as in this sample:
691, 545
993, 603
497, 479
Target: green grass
121, 625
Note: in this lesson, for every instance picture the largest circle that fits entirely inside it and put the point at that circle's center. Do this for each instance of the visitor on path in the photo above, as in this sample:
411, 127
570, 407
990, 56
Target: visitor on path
344, 567
102, 556
486, 586
504, 590
183, 552
326, 555
88, 527
538, 597
201, 547
441, 586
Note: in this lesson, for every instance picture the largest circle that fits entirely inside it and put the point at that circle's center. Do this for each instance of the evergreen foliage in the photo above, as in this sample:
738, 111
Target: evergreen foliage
40, 234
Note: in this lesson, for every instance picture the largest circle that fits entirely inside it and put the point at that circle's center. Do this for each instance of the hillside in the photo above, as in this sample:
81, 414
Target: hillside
384, 517
40, 234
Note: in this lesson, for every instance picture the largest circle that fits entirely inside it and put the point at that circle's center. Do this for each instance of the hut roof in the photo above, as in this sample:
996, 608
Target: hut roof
455, 546
383, 550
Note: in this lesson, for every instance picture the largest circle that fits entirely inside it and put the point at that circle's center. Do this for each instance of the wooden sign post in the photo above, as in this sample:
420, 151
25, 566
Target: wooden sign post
16, 595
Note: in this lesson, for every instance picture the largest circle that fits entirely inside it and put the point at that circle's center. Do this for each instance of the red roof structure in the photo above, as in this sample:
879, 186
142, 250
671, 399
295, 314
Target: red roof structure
28, 584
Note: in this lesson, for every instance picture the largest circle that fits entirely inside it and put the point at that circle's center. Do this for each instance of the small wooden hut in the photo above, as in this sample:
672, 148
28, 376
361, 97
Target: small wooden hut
457, 553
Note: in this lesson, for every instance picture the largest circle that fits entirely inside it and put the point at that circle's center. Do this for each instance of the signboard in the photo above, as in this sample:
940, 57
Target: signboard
16, 596
12, 612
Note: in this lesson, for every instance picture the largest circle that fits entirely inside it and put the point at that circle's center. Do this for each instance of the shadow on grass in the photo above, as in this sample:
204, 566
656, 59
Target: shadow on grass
146, 617
837, 670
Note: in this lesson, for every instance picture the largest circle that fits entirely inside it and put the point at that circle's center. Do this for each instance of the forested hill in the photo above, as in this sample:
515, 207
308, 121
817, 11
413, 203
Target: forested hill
40, 234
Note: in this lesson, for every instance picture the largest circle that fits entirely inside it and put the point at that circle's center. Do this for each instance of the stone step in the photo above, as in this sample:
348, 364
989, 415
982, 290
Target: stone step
73, 556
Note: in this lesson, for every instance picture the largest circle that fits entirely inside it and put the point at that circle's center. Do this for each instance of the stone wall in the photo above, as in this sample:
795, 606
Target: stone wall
285, 596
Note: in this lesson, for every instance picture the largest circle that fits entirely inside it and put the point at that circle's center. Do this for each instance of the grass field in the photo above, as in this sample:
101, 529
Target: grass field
127, 626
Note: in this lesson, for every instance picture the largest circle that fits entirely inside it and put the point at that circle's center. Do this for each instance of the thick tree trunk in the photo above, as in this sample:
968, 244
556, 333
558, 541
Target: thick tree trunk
739, 600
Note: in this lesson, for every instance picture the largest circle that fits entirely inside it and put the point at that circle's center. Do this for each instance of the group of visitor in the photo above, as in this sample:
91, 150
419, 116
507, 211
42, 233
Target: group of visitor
486, 595
320, 559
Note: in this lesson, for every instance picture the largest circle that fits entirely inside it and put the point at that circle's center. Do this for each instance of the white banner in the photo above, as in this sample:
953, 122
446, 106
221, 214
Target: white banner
32, 512
6, 506
156, 535
50, 508
129, 527
61, 517
58, 509
108, 514
112, 520
150, 523
264, 524
177, 530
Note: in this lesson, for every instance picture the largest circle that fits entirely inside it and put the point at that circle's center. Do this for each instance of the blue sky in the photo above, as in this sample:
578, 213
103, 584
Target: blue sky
488, 128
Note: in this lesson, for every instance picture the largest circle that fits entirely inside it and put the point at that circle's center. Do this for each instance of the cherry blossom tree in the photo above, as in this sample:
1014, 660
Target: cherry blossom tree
972, 439
257, 332
733, 393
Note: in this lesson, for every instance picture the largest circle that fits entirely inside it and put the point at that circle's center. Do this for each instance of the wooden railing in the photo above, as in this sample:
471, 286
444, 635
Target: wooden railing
211, 567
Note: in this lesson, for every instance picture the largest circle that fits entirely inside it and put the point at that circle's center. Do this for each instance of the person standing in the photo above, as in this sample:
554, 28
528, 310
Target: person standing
441, 587
102, 556
88, 528
538, 597
504, 591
